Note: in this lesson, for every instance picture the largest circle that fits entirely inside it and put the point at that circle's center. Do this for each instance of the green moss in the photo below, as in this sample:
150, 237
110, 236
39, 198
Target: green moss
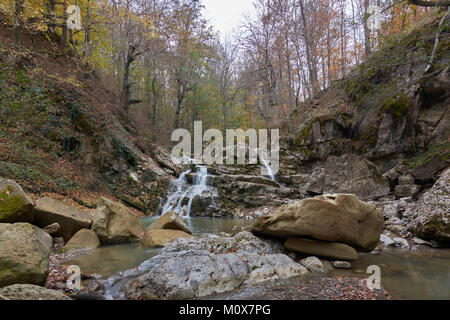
441, 150
397, 106
10, 204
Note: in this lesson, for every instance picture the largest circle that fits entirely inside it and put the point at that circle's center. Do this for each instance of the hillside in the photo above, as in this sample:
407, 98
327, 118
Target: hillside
62, 132
392, 107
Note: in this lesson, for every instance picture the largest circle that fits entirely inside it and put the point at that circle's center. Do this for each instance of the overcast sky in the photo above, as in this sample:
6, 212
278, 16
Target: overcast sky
225, 15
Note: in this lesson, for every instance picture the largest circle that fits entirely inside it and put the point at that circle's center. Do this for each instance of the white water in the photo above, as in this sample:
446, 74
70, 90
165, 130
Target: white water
183, 190
268, 167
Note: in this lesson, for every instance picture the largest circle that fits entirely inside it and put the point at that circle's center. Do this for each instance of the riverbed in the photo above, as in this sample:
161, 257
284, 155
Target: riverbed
419, 274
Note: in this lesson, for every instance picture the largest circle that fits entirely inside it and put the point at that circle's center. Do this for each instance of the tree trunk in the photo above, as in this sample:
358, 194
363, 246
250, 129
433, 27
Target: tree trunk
367, 44
18, 23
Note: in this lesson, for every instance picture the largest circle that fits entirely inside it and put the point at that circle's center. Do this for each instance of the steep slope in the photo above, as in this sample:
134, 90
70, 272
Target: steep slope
62, 132
392, 109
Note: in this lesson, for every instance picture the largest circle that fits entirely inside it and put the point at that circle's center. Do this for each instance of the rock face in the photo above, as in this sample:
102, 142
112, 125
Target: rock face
82, 240
338, 218
160, 237
431, 215
349, 174
24, 254
31, 292
15, 205
169, 220
190, 268
71, 220
113, 223
324, 249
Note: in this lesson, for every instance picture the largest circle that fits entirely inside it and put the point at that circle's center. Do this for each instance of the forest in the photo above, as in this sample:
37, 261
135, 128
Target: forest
169, 67
352, 202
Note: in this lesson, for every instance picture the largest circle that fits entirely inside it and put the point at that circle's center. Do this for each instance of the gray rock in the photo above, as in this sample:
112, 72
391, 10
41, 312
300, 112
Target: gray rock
350, 174
386, 240
313, 264
31, 292
342, 265
422, 242
191, 268
431, 214
402, 191
52, 228
406, 180
400, 242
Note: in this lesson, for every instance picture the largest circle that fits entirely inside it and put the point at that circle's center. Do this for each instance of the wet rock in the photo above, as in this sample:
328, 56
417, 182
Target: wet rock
83, 240
342, 265
31, 292
313, 264
206, 204
71, 220
324, 249
337, 218
419, 241
226, 179
24, 254
160, 237
113, 223
15, 205
169, 220
386, 240
401, 243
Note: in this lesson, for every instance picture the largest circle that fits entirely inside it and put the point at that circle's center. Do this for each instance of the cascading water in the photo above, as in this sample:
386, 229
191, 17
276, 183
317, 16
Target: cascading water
177, 195
268, 168
183, 190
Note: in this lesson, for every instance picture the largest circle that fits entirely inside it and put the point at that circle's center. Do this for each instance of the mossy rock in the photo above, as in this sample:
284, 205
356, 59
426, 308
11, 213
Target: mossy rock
15, 205
398, 106
24, 254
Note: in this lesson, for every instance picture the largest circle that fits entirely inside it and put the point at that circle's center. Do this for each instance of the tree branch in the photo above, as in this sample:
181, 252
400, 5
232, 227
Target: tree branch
423, 3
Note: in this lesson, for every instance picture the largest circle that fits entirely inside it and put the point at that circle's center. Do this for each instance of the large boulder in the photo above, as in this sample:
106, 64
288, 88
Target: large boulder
169, 220
24, 254
338, 218
324, 249
349, 174
31, 292
431, 215
71, 220
83, 240
159, 238
15, 205
113, 223
191, 268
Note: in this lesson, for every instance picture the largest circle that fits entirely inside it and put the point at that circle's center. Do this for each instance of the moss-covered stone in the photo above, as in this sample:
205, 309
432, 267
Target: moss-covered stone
15, 205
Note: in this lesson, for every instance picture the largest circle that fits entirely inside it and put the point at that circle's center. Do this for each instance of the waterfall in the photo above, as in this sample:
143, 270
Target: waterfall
268, 167
183, 190
177, 195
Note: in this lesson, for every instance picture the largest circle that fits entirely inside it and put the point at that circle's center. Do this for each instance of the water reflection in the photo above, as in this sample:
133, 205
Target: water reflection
408, 275
404, 274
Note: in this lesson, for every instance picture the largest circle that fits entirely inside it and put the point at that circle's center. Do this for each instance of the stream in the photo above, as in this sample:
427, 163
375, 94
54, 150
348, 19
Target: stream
421, 274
